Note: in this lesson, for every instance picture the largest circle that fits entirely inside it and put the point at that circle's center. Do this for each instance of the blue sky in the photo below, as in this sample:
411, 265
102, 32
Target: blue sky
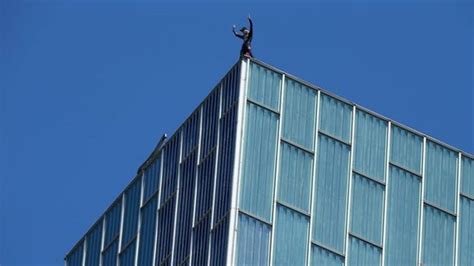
87, 89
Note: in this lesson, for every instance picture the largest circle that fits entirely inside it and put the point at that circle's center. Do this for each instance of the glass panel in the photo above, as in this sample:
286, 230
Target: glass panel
112, 222
299, 113
466, 232
230, 88
367, 208
406, 149
127, 257
258, 170
264, 86
438, 237
291, 237
201, 241
210, 117
336, 118
204, 186
441, 171
165, 231
151, 178
132, 208
170, 167
363, 253
331, 187
294, 186
467, 185
191, 134
253, 241
370, 145
109, 258
403, 209
220, 234
94, 238
320, 256
147, 232
75, 257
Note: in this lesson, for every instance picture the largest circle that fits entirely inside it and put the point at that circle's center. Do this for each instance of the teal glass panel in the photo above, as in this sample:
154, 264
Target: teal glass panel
258, 170
466, 232
363, 254
370, 145
299, 113
467, 185
438, 237
94, 239
264, 86
331, 187
253, 241
291, 237
403, 209
336, 118
406, 149
441, 170
320, 256
367, 208
294, 186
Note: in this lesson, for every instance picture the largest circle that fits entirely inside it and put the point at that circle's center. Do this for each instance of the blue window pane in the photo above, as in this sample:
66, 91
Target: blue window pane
403, 209
467, 185
259, 162
299, 113
75, 257
370, 145
132, 208
336, 118
170, 167
330, 205
253, 241
151, 178
220, 234
165, 231
291, 237
109, 257
230, 88
441, 170
264, 86
406, 149
363, 253
191, 134
112, 222
320, 256
466, 232
367, 208
147, 232
127, 257
94, 238
294, 186
204, 186
210, 116
438, 237
201, 241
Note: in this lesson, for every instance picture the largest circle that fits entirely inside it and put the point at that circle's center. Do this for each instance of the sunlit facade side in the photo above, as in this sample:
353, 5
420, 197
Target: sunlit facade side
271, 170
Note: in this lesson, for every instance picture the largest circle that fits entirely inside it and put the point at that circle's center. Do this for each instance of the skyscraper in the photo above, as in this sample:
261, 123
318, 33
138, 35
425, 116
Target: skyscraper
270, 169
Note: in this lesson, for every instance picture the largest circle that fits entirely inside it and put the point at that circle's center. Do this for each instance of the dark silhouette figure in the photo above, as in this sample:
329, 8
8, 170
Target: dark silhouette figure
247, 36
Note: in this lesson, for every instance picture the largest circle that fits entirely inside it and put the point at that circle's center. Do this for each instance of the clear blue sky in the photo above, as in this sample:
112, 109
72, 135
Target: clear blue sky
87, 89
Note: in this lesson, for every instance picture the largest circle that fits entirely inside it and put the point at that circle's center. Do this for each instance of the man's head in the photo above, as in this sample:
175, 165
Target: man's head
244, 30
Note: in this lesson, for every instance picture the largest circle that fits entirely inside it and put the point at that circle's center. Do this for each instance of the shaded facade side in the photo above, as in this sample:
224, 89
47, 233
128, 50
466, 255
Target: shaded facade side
323, 181
176, 211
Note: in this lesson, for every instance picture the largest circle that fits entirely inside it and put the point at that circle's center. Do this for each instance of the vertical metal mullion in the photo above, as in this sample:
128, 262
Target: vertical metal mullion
422, 196
214, 181
158, 201
277, 167
122, 217
84, 251
313, 185
238, 155
458, 217
349, 190
139, 226
387, 176
176, 204
196, 176
102, 239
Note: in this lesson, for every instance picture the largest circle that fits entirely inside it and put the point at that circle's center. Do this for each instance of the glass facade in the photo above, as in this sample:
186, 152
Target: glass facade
270, 170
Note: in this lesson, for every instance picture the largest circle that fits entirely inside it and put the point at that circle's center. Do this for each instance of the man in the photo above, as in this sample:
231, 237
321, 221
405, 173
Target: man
245, 35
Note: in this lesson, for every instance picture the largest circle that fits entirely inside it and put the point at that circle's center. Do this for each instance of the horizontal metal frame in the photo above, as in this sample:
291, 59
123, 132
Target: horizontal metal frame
359, 107
333, 251
469, 197
263, 106
292, 208
329, 135
116, 238
124, 247
363, 239
404, 169
296, 145
380, 182
255, 217
439, 208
